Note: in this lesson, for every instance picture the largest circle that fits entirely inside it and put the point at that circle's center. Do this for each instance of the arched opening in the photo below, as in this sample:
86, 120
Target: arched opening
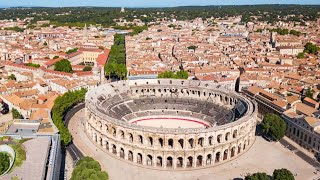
225, 154
121, 134
190, 161
199, 160
181, 143
95, 137
200, 142
114, 149
235, 132
219, 138
170, 143
139, 158
106, 128
140, 139
191, 142
130, 138
217, 157
239, 148
209, 159
161, 142
233, 150
210, 140
130, 156
114, 132
159, 161
107, 145
227, 136
180, 162
169, 162
149, 160
101, 141
122, 153
244, 144
150, 141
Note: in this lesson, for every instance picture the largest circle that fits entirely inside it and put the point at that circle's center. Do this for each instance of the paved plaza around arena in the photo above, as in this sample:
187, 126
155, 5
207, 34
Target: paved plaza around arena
263, 156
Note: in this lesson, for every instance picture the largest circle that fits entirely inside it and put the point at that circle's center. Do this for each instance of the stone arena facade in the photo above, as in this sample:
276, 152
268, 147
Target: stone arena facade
170, 124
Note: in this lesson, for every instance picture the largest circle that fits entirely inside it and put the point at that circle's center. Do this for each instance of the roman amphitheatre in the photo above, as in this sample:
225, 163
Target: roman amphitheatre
170, 124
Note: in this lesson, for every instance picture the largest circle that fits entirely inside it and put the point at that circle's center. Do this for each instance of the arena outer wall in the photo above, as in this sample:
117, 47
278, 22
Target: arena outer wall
166, 148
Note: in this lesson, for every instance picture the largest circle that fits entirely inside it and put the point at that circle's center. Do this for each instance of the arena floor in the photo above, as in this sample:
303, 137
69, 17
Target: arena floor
263, 157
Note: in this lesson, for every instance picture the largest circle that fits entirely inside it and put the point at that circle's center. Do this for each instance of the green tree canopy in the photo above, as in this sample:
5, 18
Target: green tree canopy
12, 77
87, 68
63, 66
16, 114
33, 65
273, 126
169, 74
310, 48
282, 174
4, 162
88, 168
72, 51
257, 176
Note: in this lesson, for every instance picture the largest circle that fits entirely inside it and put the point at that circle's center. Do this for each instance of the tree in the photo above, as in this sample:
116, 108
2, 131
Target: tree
87, 68
273, 126
300, 55
4, 162
63, 66
72, 51
88, 168
169, 74
16, 114
309, 93
55, 57
282, 174
257, 176
33, 65
12, 77
310, 48
182, 75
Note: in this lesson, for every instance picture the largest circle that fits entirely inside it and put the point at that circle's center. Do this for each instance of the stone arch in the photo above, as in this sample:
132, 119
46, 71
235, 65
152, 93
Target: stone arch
114, 149
227, 136
114, 132
122, 153
169, 161
160, 142
139, 158
130, 138
235, 134
189, 161
209, 159
200, 141
121, 134
218, 154
210, 140
101, 141
179, 162
170, 143
191, 143
107, 145
225, 154
159, 161
199, 160
239, 148
181, 142
244, 144
233, 151
150, 139
149, 160
219, 138
140, 139
130, 155
106, 128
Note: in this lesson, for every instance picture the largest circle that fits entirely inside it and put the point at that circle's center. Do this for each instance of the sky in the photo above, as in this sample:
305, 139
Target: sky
145, 3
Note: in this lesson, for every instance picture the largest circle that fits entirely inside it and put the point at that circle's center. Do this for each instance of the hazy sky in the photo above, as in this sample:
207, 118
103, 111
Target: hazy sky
145, 3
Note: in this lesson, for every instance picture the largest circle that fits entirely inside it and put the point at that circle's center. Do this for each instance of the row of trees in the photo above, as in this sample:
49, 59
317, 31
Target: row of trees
169, 74
61, 105
278, 174
88, 168
16, 114
115, 67
72, 51
309, 48
285, 31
